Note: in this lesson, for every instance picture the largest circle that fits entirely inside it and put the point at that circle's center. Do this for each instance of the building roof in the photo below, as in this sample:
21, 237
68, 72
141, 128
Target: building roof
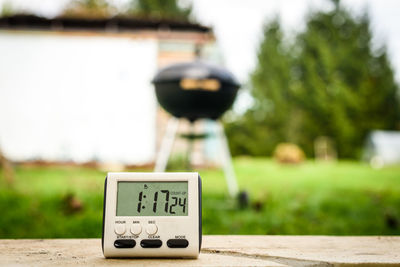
115, 24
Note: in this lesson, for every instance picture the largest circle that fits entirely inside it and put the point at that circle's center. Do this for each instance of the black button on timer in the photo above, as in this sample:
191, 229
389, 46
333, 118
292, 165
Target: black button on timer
124, 243
177, 243
151, 243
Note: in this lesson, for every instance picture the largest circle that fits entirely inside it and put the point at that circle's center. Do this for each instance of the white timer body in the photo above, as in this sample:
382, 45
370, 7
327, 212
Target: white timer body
152, 215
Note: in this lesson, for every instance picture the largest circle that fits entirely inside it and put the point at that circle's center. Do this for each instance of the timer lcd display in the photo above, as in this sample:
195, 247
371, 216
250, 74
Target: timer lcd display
152, 199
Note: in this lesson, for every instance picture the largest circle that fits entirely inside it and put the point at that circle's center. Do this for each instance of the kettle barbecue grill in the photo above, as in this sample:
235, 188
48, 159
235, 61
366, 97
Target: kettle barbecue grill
196, 90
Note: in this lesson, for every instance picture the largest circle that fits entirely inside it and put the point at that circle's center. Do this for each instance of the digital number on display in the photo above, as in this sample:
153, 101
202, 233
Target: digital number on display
152, 199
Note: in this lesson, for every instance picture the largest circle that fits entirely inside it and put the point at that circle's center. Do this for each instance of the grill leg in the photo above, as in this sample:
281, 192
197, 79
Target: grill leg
166, 145
190, 147
227, 162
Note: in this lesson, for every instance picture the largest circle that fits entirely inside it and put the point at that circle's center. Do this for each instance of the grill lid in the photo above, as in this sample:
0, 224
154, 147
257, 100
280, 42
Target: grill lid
197, 70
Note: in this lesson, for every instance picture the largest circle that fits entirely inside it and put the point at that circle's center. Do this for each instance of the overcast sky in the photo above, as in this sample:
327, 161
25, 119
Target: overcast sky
238, 23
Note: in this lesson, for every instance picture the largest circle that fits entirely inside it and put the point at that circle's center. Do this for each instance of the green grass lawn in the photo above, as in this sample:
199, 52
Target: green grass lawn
344, 198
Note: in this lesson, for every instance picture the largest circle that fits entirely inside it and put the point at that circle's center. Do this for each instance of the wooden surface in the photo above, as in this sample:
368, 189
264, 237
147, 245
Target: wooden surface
217, 251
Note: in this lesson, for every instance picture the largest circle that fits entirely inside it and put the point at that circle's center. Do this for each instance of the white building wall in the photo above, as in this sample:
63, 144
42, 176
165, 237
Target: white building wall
65, 97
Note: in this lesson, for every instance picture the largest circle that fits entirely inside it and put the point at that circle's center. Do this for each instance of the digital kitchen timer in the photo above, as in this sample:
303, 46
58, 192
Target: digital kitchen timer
152, 215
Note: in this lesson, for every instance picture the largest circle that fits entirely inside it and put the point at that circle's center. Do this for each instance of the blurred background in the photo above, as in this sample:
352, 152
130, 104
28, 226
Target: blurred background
314, 131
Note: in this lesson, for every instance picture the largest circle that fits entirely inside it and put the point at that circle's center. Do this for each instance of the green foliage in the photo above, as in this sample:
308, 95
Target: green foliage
329, 81
7, 9
89, 8
346, 198
149, 9
160, 9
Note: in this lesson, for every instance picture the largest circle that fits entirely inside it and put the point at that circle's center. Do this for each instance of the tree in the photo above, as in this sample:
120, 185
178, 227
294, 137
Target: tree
160, 9
329, 81
90, 8
148, 9
265, 124
7, 9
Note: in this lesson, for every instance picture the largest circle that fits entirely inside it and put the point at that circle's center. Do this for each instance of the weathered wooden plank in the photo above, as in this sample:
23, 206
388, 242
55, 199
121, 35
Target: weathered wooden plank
308, 250
218, 251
